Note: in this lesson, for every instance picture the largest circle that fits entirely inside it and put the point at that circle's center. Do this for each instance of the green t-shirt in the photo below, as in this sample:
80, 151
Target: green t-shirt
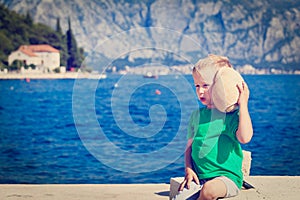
215, 149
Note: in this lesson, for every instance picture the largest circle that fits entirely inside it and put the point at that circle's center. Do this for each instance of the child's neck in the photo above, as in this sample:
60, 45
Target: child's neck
210, 106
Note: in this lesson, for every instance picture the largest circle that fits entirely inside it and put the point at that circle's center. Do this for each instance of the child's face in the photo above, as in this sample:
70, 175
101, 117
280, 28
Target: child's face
202, 90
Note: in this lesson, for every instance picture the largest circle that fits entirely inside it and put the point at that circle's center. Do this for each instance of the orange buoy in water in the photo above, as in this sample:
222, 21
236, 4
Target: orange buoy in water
158, 92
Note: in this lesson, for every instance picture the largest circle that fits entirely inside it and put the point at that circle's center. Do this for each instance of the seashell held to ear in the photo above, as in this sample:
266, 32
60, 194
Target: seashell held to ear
224, 91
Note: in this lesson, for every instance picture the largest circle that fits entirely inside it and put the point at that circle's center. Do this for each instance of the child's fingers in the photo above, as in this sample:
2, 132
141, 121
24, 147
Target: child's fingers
196, 179
188, 183
182, 185
240, 87
246, 87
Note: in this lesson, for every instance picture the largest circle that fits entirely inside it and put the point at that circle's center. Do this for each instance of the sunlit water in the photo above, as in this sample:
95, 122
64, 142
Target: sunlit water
40, 143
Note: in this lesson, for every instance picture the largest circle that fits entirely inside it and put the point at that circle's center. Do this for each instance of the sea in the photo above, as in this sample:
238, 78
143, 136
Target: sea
131, 129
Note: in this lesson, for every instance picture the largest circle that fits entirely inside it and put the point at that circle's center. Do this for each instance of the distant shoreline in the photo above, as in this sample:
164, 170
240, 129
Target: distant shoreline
74, 75
68, 75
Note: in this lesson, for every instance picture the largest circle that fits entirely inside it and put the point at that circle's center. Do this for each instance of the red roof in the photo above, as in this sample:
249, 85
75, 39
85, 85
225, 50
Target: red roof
30, 50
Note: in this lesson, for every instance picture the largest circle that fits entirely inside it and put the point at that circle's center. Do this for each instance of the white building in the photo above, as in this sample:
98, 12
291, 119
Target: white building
44, 56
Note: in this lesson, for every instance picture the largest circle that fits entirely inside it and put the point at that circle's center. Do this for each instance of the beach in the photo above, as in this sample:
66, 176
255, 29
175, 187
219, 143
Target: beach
266, 187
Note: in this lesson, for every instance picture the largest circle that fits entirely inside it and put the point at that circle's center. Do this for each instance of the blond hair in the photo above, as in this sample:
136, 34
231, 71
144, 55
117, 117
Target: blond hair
212, 61
209, 66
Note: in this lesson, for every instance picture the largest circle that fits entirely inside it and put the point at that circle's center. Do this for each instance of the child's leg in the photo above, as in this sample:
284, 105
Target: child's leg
213, 189
218, 187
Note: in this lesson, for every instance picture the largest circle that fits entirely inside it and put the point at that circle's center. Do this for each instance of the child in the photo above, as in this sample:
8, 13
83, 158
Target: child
213, 157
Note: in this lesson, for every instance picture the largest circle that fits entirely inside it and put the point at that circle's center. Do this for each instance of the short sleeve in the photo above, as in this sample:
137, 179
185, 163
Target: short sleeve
193, 124
234, 123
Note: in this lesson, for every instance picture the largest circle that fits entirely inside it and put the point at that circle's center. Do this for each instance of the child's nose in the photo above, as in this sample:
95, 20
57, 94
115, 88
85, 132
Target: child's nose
201, 90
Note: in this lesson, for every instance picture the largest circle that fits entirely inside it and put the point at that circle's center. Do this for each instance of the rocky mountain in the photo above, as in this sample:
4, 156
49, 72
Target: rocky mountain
264, 34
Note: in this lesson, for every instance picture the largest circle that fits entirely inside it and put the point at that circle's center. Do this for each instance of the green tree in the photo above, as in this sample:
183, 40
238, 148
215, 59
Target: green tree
58, 27
33, 66
70, 45
16, 65
63, 51
75, 56
28, 19
62, 47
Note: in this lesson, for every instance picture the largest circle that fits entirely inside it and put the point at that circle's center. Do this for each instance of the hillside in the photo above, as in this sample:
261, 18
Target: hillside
17, 30
264, 34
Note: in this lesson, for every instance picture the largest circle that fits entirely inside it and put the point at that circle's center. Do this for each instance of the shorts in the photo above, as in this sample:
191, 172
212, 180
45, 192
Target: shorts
194, 191
232, 189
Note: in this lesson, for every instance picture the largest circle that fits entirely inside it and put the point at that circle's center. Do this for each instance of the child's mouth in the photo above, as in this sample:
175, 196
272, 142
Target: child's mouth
202, 99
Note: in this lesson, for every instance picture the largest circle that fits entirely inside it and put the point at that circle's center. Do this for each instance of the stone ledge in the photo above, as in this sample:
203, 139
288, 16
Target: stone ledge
266, 187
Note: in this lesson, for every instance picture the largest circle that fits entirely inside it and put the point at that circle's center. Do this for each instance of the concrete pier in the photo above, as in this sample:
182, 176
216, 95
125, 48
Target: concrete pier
266, 187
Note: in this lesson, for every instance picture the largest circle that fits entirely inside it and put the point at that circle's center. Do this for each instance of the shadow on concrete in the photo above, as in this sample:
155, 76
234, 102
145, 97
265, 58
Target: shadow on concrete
163, 193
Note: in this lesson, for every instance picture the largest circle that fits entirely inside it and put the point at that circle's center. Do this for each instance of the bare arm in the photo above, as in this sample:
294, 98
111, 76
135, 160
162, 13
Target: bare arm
245, 129
190, 175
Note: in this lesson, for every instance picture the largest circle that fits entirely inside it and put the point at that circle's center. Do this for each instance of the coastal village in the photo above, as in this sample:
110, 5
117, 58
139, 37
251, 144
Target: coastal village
45, 57
43, 61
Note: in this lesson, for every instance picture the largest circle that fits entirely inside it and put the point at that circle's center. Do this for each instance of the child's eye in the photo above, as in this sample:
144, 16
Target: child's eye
197, 86
206, 85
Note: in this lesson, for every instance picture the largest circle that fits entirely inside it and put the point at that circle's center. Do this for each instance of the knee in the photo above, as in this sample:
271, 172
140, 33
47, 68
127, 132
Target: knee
209, 192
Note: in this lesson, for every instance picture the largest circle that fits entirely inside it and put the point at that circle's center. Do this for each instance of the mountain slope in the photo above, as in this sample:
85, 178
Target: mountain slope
264, 34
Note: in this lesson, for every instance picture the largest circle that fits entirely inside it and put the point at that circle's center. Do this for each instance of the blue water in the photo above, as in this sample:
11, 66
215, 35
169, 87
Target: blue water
50, 131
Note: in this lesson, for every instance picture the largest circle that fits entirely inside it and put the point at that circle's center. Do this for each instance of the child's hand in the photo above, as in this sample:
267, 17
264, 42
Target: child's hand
189, 177
244, 93
244, 132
